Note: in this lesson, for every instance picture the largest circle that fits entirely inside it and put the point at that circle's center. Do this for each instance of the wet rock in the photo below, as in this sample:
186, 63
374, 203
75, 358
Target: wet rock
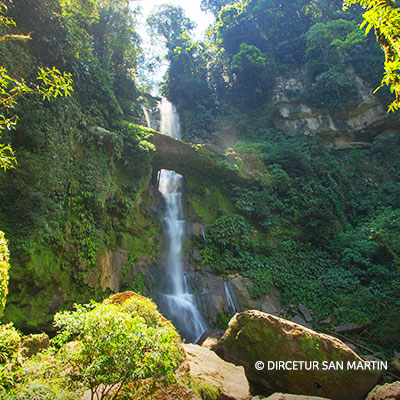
269, 303
390, 391
327, 321
305, 312
196, 254
255, 336
204, 365
348, 328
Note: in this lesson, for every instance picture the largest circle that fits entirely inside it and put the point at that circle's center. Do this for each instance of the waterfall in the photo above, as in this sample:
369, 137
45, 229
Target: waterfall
175, 301
203, 232
146, 115
230, 298
169, 119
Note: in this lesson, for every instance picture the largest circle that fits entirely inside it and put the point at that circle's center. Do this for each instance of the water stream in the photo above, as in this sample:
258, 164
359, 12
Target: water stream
169, 122
231, 300
175, 301
146, 115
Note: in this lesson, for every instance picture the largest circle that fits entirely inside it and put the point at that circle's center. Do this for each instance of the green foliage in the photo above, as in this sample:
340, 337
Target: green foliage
4, 267
169, 22
328, 42
332, 90
53, 84
113, 346
223, 321
384, 16
43, 377
10, 344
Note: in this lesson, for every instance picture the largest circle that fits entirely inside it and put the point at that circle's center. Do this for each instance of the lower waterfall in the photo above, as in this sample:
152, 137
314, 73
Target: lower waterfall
175, 300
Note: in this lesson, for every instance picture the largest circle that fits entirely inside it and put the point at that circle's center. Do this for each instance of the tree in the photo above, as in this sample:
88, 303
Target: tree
169, 22
384, 17
214, 6
52, 84
117, 344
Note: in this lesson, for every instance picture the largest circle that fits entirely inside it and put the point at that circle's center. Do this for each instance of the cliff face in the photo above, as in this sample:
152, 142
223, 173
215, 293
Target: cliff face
352, 125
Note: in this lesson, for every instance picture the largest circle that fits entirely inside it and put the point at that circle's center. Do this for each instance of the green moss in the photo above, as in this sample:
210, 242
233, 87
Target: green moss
207, 199
203, 389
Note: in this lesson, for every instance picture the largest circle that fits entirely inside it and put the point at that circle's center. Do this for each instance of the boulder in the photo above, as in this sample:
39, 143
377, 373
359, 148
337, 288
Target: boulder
305, 312
349, 328
206, 369
255, 336
298, 320
268, 303
395, 364
390, 391
281, 396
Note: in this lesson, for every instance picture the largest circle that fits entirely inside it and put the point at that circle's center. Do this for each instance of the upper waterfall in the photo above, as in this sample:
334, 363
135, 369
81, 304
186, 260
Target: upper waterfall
169, 123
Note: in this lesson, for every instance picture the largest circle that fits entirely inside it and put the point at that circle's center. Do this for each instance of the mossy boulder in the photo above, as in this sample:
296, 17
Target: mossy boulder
255, 336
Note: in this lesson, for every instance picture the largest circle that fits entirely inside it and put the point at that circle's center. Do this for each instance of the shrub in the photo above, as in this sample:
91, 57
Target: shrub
113, 346
10, 343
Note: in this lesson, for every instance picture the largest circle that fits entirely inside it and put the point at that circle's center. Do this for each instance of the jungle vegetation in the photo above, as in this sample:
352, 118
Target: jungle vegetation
321, 225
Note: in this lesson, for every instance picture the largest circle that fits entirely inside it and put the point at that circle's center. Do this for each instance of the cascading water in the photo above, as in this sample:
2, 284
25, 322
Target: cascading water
169, 122
175, 301
230, 298
146, 115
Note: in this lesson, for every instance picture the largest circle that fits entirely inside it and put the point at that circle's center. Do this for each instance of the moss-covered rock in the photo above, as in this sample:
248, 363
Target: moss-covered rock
255, 336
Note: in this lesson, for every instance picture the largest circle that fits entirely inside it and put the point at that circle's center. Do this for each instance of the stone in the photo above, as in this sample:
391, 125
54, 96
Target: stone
390, 391
196, 254
298, 320
111, 266
348, 328
327, 321
281, 396
354, 348
204, 365
306, 313
255, 336
395, 364
269, 303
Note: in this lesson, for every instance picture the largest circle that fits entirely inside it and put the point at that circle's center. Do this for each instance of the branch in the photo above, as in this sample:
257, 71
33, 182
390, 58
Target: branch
24, 38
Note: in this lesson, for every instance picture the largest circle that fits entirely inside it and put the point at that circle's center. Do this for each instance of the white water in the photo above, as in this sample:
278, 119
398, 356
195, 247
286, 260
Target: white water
230, 298
169, 119
146, 115
177, 303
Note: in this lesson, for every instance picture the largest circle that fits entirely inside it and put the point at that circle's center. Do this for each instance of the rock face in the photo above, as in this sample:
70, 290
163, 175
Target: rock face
349, 128
269, 303
390, 391
204, 365
255, 336
111, 263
